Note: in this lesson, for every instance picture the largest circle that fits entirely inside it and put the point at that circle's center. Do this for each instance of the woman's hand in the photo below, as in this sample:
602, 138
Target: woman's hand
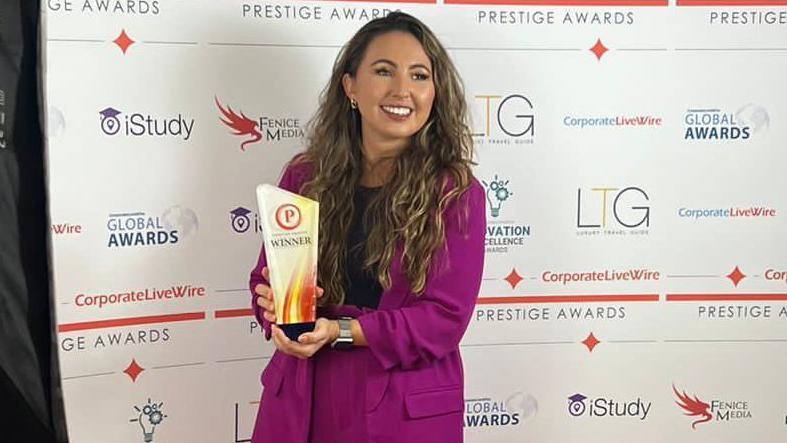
325, 331
265, 299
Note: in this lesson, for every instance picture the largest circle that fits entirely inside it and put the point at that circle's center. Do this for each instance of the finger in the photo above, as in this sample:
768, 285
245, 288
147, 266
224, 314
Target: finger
271, 317
261, 289
266, 273
264, 303
320, 291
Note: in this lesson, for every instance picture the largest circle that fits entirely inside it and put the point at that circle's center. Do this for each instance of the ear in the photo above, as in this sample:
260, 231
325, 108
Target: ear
348, 83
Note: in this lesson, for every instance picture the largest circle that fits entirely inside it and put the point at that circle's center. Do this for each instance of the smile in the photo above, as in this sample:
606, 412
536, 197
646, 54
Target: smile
400, 111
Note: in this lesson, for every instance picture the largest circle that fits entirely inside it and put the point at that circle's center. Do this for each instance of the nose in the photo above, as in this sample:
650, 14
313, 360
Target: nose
401, 86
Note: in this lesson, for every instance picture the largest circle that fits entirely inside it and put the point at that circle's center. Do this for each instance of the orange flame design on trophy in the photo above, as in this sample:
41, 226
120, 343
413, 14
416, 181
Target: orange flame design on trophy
693, 407
299, 302
290, 223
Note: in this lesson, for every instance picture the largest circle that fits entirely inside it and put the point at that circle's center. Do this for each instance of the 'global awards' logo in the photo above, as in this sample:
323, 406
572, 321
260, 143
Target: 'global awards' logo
149, 417
507, 120
242, 220
501, 234
718, 410
254, 130
138, 124
140, 229
629, 213
489, 412
716, 124
607, 407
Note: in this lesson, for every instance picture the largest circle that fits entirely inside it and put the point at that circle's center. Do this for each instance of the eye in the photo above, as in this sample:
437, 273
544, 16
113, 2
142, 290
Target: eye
420, 76
385, 72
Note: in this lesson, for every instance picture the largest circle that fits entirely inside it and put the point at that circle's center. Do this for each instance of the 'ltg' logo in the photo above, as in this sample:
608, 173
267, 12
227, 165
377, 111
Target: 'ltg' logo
628, 214
507, 120
118, 123
139, 229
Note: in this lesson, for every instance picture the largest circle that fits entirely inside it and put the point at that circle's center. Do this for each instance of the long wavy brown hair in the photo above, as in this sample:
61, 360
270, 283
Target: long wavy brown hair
427, 176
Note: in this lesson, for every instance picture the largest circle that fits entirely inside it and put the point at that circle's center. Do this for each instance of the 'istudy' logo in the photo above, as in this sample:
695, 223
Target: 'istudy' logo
117, 123
580, 405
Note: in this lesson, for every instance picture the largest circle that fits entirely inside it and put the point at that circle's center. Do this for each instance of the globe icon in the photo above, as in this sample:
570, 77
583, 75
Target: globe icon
181, 219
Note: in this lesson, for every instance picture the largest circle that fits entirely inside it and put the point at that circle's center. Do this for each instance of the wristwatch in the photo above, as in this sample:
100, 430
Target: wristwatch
345, 338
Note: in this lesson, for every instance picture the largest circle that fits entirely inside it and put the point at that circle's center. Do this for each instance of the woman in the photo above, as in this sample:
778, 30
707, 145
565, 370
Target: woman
401, 251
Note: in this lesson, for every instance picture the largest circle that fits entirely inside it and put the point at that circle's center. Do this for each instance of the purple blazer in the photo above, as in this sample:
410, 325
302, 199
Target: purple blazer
413, 371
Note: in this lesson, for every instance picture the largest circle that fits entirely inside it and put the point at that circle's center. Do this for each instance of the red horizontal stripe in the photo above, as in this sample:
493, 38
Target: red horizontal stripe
726, 297
561, 2
590, 298
732, 3
130, 321
229, 313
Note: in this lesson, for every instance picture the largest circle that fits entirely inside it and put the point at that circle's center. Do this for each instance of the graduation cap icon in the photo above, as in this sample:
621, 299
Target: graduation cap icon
576, 405
109, 121
109, 112
240, 219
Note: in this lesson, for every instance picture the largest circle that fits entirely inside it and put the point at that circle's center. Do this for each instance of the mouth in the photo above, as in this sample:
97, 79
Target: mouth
397, 112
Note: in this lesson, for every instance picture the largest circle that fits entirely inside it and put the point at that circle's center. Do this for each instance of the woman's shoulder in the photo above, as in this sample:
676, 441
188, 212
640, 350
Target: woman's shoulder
296, 173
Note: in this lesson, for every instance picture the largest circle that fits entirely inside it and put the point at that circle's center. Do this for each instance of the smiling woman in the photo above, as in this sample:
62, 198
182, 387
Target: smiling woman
401, 251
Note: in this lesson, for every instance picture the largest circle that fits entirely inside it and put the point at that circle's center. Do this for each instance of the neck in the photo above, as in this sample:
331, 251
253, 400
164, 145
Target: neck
378, 160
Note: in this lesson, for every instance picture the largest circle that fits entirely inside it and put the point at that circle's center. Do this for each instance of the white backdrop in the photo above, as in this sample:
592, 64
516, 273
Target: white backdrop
633, 153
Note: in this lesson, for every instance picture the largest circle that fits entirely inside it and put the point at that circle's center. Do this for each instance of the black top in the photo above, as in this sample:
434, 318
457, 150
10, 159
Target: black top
361, 287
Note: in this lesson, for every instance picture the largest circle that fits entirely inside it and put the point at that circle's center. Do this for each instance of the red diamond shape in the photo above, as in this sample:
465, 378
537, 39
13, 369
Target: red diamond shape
736, 276
513, 278
591, 341
133, 370
599, 49
123, 41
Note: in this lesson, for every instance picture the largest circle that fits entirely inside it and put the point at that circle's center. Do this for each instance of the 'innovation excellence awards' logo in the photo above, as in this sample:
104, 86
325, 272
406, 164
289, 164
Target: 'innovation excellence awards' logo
501, 234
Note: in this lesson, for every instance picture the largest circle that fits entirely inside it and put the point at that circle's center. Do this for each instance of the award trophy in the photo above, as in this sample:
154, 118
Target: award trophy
289, 229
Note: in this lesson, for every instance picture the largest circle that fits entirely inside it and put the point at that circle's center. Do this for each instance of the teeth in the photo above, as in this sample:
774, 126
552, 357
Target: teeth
397, 110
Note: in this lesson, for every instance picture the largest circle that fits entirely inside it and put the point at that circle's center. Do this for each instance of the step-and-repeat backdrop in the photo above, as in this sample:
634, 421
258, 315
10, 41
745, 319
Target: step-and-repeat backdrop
633, 153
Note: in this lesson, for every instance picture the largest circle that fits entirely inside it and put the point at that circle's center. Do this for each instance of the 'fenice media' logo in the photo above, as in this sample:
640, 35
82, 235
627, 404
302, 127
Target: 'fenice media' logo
716, 410
716, 124
138, 124
508, 119
254, 130
629, 213
140, 229
581, 406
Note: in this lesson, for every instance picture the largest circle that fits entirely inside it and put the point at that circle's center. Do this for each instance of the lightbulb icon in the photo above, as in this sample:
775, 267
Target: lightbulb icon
149, 416
496, 193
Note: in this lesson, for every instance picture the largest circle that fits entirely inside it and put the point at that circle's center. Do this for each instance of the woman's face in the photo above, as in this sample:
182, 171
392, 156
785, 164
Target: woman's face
394, 89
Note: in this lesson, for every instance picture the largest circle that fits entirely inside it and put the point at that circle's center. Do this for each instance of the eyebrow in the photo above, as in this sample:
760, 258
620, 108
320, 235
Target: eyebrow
415, 65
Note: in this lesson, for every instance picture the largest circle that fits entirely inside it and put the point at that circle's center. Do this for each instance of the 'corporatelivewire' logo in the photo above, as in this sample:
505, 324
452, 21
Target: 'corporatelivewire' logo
118, 123
616, 121
727, 213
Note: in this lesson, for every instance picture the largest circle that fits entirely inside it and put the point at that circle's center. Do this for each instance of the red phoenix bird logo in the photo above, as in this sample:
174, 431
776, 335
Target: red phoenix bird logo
694, 407
242, 125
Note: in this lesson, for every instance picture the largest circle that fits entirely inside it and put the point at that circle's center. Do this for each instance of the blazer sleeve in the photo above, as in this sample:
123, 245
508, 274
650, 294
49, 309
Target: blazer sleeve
288, 181
432, 325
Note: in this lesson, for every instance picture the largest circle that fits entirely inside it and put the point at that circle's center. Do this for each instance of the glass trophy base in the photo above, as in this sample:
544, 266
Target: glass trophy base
294, 330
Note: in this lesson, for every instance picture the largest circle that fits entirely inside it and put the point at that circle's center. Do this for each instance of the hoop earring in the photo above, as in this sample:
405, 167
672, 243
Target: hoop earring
353, 104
